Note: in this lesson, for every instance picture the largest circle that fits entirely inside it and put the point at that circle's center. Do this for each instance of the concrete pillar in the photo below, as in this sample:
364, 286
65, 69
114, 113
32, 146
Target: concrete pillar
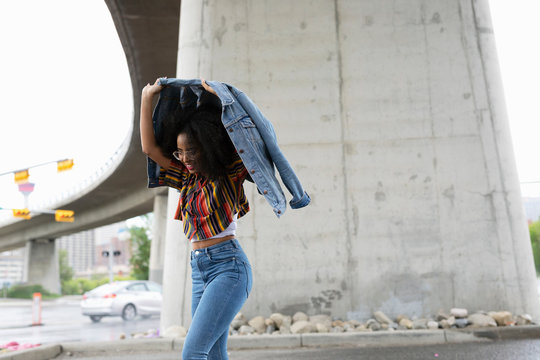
393, 117
157, 252
42, 264
176, 305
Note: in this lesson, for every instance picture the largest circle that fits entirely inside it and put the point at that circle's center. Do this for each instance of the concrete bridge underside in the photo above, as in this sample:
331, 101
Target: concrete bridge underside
392, 114
148, 32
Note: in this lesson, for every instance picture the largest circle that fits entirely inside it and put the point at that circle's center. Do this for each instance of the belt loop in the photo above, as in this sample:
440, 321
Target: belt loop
234, 243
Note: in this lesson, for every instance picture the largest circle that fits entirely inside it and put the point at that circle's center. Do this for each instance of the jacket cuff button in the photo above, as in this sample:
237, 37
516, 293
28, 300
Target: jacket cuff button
241, 151
253, 171
265, 192
231, 129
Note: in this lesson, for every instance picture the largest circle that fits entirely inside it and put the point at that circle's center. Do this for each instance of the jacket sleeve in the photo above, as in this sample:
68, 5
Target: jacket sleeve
266, 130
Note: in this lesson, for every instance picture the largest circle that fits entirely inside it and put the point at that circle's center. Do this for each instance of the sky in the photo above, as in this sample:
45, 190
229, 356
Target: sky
67, 94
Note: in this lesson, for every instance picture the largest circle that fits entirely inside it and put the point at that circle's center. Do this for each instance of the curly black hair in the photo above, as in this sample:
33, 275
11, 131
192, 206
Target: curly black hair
203, 127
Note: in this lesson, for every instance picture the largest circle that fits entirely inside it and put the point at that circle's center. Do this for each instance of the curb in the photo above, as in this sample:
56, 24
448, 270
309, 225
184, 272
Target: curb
252, 342
38, 353
506, 333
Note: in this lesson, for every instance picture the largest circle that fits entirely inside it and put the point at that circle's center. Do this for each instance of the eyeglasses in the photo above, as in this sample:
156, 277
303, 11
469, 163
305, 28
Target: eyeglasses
189, 154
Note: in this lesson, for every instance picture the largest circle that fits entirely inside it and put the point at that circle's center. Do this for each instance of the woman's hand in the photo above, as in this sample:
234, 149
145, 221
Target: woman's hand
150, 90
207, 87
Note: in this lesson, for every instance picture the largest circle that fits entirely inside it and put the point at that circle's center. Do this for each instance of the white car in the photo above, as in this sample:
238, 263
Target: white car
123, 298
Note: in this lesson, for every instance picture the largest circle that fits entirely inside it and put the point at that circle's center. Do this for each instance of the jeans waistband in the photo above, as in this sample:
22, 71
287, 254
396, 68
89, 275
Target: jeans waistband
229, 244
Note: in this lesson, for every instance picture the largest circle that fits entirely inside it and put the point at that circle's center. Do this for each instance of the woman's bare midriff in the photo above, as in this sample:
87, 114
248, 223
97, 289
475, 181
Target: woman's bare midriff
209, 242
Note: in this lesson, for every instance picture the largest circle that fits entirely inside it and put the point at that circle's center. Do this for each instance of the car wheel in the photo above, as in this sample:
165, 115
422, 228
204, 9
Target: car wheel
95, 318
129, 313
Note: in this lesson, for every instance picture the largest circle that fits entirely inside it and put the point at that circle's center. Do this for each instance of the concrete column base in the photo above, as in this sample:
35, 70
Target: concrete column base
42, 264
157, 252
176, 307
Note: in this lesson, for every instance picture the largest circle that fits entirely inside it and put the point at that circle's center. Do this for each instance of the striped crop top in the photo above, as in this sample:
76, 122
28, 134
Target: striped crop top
206, 207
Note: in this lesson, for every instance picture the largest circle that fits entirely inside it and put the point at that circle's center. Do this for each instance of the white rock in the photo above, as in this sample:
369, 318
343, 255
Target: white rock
286, 324
524, 319
337, 329
238, 321
362, 327
382, 318
321, 328
432, 325
278, 319
502, 318
459, 313
302, 327
175, 331
373, 325
441, 315
400, 317
444, 324
325, 320
338, 323
285, 330
246, 330
299, 316
406, 323
481, 320
258, 324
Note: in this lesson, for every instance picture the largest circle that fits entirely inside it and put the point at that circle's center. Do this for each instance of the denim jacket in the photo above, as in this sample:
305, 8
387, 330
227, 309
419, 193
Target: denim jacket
251, 133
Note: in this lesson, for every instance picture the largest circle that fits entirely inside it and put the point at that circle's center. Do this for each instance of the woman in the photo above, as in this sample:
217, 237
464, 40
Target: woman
198, 159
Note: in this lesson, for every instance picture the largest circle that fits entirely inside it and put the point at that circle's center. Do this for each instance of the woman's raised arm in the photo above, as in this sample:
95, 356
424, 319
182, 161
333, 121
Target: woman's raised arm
148, 139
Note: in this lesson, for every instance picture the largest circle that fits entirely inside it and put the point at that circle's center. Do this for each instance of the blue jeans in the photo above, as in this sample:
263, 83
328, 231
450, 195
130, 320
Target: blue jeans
222, 279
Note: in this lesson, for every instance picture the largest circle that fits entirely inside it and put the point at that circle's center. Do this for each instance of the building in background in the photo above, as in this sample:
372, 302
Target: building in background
12, 266
85, 254
80, 250
86, 250
117, 236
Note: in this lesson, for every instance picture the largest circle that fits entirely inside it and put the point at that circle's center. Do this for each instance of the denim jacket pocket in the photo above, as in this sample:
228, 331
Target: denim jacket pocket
251, 131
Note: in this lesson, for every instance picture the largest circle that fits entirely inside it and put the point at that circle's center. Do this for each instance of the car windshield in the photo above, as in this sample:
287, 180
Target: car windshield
137, 287
153, 286
107, 289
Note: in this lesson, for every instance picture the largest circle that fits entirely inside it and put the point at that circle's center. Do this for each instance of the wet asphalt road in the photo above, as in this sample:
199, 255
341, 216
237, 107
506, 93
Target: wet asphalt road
62, 322
501, 350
